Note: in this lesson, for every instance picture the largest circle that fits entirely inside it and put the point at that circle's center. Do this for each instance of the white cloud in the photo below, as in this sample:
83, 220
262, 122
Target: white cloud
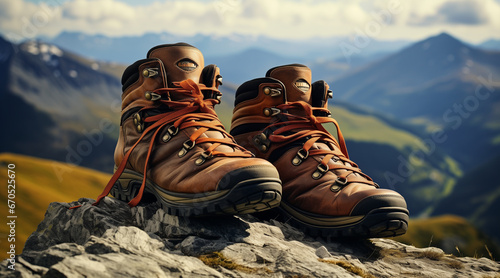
461, 12
381, 19
98, 10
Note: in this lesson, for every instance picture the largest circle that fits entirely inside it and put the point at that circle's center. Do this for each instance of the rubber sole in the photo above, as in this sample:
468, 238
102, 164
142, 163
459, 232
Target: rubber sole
380, 222
247, 196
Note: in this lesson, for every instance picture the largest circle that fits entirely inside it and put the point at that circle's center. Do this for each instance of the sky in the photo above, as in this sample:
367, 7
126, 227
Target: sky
470, 20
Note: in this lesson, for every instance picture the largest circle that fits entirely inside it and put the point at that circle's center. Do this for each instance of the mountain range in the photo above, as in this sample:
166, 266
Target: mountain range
441, 84
62, 106
448, 90
490, 44
130, 48
58, 104
240, 57
76, 98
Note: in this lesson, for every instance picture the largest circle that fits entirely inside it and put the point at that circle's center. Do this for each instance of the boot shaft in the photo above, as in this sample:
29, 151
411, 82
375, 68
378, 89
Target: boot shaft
256, 100
296, 79
257, 104
164, 66
172, 147
181, 61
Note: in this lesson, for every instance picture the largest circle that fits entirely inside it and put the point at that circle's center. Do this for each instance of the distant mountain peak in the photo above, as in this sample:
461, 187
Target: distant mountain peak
36, 47
445, 38
440, 49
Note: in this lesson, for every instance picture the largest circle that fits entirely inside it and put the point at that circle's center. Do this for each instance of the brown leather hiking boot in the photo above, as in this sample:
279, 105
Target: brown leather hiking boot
280, 118
173, 149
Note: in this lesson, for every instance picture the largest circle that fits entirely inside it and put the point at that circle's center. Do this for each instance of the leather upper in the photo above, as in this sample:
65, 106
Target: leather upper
162, 77
334, 192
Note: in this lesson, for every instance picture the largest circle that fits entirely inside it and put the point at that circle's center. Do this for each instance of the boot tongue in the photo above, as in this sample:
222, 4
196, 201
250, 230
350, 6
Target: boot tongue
297, 81
181, 61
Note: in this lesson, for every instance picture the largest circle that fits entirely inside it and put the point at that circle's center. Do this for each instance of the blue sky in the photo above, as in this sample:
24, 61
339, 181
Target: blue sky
469, 20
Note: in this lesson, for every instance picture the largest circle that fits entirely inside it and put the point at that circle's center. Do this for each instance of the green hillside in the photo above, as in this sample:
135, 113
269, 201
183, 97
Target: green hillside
477, 197
398, 159
453, 234
38, 183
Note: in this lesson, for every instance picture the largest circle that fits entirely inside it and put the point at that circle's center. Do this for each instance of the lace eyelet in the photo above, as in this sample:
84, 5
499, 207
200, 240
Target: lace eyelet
273, 92
219, 80
271, 111
300, 157
151, 96
338, 184
171, 132
329, 93
321, 170
139, 128
150, 72
203, 157
138, 122
341, 181
186, 146
262, 142
335, 187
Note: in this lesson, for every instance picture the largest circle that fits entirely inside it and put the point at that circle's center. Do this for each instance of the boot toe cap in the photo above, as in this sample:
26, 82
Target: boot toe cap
251, 188
383, 201
251, 174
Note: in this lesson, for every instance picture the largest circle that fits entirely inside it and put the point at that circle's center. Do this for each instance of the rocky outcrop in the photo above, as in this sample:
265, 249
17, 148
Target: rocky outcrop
113, 240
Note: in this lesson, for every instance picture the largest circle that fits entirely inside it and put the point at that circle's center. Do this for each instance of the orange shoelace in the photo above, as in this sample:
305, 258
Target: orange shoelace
305, 125
191, 111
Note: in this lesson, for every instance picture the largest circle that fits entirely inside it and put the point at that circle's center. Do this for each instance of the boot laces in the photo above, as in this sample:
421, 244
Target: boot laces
191, 111
302, 125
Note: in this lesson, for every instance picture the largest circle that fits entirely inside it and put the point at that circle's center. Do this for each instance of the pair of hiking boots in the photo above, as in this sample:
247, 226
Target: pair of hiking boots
278, 160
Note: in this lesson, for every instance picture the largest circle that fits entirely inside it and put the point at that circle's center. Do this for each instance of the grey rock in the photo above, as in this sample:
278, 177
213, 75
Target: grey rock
113, 240
57, 253
22, 269
97, 245
77, 225
196, 246
322, 252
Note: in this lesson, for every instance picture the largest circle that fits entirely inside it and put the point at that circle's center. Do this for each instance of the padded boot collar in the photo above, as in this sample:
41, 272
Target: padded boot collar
297, 81
181, 61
